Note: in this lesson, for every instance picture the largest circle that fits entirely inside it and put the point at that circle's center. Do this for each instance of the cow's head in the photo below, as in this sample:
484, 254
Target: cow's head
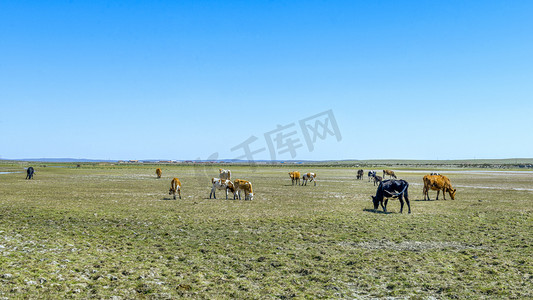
251, 196
452, 193
375, 201
394, 176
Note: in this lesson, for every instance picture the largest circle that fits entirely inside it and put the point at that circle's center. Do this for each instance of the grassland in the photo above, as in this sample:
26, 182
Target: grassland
113, 231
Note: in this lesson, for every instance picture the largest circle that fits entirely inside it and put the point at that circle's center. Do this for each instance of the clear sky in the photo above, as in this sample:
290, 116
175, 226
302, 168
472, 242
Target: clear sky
188, 79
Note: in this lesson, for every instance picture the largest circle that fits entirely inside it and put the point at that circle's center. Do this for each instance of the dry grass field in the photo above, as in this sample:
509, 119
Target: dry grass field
114, 232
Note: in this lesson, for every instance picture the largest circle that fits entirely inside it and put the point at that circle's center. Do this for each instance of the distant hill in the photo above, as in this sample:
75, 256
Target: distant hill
460, 163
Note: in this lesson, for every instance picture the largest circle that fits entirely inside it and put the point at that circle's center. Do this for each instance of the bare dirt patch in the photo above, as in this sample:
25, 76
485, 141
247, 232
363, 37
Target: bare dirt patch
408, 245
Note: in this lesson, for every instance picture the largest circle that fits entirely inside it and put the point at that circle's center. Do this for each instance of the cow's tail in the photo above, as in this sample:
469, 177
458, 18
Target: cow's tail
404, 191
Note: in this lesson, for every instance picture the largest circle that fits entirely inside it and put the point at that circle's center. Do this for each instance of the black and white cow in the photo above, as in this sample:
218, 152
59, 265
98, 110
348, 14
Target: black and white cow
391, 189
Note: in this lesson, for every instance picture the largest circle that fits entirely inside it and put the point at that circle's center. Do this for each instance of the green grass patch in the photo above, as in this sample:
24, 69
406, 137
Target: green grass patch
102, 231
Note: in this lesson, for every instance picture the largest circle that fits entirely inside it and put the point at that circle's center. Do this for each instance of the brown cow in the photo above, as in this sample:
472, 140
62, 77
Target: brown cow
377, 179
246, 186
390, 173
175, 186
438, 183
158, 172
295, 177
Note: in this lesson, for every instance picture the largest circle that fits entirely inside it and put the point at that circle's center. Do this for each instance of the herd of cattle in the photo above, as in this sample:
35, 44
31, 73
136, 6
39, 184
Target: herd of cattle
398, 189
387, 189
223, 182
392, 188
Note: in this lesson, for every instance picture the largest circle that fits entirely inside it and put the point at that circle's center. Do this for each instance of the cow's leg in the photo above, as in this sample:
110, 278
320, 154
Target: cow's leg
438, 192
401, 204
179, 193
386, 200
406, 195
315, 181
444, 193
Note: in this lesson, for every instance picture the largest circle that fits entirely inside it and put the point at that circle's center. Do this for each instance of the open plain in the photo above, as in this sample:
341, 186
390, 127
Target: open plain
102, 231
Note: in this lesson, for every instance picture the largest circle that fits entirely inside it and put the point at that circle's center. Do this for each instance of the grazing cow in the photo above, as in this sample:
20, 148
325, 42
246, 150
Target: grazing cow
175, 186
390, 173
158, 172
371, 175
245, 186
295, 177
391, 189
221, 184
377, 179
29, 173
438, 183
225, 174
309, 176
360, 174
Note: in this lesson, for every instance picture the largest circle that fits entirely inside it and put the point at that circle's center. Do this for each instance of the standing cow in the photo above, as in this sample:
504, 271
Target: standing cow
175, 186
221, 184
224, 174
158, 172
29, 173
309, 176
295, 177
377, 179
391, 189
360, 174
390, 173
437, 183
245, 186
371, 175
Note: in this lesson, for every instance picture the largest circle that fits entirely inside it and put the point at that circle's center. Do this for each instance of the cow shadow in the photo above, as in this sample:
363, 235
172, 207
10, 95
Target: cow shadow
376, 211
169, 198
422, 200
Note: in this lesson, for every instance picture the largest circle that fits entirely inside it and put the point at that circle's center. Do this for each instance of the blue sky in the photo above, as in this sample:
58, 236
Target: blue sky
187, 79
